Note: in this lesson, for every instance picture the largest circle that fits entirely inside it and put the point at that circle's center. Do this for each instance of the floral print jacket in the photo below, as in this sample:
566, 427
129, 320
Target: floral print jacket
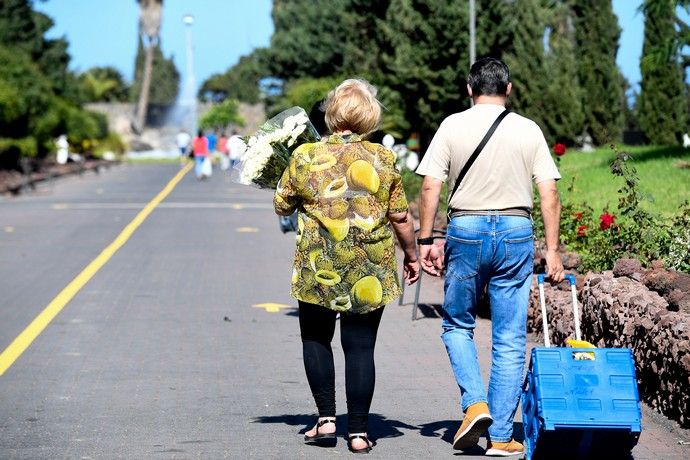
344, 188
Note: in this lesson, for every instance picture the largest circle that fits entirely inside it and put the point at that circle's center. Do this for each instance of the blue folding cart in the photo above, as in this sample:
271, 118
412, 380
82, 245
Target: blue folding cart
579, 409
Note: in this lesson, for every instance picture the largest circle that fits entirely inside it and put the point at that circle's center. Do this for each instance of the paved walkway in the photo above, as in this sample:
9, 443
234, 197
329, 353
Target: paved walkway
167, 352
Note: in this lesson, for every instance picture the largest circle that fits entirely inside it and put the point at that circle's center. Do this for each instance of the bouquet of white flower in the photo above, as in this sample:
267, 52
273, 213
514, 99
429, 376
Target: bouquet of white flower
268, 151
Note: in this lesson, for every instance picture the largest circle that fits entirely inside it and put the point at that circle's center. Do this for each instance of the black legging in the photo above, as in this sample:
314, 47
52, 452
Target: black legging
358, 337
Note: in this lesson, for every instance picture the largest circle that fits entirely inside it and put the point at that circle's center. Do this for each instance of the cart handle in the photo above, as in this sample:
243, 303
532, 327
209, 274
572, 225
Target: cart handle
569, 277
573, 290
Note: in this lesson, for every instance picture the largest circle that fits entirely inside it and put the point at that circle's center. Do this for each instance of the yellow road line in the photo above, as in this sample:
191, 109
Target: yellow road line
28, 335
271, 307
246, 229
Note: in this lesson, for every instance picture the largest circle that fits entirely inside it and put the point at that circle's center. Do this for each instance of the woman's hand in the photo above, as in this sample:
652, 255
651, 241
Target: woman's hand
410, 270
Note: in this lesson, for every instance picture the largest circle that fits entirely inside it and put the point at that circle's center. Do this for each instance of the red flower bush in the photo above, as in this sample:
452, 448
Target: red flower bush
581, 230
606, 220
578, 216
559, 149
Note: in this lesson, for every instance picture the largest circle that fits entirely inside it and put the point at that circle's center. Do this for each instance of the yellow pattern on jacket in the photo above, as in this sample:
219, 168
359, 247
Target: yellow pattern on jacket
344, 188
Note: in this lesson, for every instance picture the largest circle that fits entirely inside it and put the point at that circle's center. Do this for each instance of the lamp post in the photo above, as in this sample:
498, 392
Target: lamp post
473, 33
190, 82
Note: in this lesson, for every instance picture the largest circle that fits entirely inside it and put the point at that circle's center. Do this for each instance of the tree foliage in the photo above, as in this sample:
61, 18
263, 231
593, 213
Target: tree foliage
561, 54
364, 45
662, 104
429, 61
563, 122
494, 27
307, 38
603, 99
104, 84
304, 92
165, 78
221, 115
39, 97
240, 81
526, 59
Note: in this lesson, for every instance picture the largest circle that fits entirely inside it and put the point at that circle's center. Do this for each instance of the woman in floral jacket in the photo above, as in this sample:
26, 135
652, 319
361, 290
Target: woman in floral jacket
350, 201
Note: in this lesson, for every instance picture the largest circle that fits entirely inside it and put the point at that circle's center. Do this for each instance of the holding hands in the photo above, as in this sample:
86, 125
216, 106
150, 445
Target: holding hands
410, 270
431, 257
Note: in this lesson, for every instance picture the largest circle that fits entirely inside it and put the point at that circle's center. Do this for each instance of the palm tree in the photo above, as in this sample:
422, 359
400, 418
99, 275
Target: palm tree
150, 13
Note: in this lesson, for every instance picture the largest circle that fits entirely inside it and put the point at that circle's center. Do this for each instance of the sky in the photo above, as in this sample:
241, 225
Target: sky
104, 32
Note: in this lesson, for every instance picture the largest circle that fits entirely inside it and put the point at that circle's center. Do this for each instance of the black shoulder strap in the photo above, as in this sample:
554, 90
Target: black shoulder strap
476, 152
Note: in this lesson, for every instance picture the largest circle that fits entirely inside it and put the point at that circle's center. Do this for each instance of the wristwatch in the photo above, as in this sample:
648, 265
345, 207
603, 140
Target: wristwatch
425, 241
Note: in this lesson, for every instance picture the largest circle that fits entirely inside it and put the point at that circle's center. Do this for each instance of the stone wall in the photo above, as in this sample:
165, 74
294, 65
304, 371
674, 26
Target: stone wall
121, 115
620, 311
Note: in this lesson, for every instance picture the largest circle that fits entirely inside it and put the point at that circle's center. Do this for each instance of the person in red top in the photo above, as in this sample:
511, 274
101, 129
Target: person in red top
200, 149
222, 147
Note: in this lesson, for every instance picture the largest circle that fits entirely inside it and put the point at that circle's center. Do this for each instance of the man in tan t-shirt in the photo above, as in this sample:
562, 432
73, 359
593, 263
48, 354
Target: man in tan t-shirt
489, 243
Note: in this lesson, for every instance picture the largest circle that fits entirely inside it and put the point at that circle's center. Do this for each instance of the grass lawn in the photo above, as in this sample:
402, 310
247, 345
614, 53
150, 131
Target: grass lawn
661, 177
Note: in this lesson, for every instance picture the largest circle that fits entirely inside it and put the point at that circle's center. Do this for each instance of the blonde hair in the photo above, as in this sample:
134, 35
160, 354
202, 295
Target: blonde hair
353, 106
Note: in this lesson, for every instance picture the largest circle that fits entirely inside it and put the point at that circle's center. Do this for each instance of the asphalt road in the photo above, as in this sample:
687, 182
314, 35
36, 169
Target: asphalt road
185, 343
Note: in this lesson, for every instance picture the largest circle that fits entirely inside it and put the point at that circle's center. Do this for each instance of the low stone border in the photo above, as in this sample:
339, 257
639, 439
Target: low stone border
14, 182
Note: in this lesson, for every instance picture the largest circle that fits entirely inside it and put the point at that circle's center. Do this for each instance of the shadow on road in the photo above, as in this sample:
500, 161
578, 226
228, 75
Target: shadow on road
445, 429
379, 426
430, 310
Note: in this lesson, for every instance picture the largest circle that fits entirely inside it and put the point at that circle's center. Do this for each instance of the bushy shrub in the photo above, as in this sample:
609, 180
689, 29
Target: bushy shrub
111, 143
629, 231
221, 115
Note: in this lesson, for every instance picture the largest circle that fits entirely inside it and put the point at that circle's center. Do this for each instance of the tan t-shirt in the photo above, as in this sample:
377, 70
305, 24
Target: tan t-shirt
502, 176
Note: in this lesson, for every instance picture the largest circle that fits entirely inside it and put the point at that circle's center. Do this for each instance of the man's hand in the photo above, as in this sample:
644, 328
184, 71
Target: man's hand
554, 266
431, 258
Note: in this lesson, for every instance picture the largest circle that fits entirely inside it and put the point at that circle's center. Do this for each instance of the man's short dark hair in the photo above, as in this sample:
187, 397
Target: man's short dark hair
489, 77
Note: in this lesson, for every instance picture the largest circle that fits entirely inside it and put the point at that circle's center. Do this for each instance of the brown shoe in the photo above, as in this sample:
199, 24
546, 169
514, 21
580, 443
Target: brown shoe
477, 420
504, 449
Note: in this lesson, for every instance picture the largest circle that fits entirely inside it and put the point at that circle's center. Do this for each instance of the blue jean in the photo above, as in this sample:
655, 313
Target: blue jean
198, 165
494, 251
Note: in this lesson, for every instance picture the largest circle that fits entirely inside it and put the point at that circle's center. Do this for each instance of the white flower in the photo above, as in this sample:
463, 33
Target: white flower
254, 160
269, 149
293, 121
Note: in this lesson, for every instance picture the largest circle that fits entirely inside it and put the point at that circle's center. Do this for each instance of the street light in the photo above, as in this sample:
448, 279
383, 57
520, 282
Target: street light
188, 20
473, 33
189, 96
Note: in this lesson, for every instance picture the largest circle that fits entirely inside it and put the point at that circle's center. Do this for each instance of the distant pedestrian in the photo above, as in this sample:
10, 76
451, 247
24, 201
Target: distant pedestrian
201, 154
212, 142
351, 201
182, 139
62, 149
236, 148
222, 148
489, 244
